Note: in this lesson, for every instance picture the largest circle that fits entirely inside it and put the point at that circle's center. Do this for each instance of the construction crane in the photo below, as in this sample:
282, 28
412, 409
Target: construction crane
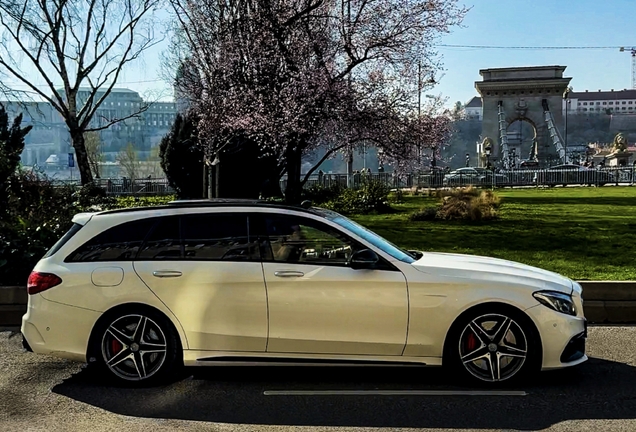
632, 50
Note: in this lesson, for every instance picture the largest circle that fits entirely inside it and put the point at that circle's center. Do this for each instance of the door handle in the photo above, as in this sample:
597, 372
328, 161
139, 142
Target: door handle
166, 273
287, 274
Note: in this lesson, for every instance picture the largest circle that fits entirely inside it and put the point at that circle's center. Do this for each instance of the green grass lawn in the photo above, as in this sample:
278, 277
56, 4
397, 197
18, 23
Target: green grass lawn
582, 233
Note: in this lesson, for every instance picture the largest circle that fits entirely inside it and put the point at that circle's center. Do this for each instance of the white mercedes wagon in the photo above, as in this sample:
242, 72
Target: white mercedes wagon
141, 292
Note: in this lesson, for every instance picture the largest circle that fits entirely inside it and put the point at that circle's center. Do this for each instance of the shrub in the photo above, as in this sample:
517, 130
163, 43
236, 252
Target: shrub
469, 204
39, 213
371, 197
461, 204
319, 194
182, 158
425, 214
397, 196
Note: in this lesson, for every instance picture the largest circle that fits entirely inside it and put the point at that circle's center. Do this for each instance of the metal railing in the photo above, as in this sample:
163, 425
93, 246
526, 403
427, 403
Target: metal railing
502, 178
124, 187
148, 186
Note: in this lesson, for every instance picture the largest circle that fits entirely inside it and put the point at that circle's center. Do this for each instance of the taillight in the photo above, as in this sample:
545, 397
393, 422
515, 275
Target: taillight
39, 282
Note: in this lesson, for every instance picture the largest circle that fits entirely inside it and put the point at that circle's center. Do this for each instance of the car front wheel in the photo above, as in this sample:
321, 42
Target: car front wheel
138, 348
490, 347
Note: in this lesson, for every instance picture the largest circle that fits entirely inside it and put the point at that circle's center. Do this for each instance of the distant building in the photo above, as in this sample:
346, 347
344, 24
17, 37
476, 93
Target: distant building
158, 120
601, 102
474, 109
46, 138
50, 136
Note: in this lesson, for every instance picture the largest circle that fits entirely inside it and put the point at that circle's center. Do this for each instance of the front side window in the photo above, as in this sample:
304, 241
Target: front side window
119, 243
379, 242
299, 240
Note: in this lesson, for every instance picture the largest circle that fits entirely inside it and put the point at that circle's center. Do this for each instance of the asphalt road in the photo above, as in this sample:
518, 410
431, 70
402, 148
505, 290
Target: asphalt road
39, 393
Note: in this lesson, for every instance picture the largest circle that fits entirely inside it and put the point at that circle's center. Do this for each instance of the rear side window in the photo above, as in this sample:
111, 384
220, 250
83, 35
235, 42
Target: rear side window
65, 238
119, 243
218, 237
164, 242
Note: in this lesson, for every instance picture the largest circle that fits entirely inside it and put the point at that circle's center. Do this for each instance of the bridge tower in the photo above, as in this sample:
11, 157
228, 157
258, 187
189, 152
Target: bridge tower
529, 94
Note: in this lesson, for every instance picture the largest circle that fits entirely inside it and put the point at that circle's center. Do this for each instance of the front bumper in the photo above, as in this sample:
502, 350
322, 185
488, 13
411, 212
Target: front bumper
562, 337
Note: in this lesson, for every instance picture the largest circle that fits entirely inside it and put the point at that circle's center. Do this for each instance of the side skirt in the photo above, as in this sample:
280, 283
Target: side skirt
218, 358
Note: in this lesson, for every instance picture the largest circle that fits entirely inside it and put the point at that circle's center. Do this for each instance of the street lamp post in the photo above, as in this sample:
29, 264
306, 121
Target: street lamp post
488, 149
567, 109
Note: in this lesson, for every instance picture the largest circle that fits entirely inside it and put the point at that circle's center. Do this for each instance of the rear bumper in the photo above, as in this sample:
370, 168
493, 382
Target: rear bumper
57, 329
25, 344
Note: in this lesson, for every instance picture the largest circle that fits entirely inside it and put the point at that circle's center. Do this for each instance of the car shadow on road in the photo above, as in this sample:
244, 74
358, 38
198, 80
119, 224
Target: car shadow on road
598, 389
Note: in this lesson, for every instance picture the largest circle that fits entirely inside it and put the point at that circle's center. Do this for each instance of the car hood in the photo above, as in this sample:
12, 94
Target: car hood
491, 269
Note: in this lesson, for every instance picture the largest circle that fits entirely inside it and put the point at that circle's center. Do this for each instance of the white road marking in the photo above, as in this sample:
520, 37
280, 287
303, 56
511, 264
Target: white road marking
393, 393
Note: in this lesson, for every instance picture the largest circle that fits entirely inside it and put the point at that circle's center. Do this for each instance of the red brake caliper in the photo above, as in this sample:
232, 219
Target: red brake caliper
471, 342
115, 346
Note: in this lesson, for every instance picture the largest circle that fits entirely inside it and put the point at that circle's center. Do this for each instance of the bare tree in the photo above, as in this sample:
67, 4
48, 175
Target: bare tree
79, 49
93, 144
129, 162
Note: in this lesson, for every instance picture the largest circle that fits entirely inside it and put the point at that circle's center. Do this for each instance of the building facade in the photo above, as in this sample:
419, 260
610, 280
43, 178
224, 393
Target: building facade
49, 139
601, 102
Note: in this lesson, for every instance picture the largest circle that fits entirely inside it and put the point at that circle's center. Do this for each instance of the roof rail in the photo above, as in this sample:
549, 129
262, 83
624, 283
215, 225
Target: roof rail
214, 202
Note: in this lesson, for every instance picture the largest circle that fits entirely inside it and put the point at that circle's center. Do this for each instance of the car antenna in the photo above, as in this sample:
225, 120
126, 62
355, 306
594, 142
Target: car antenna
306, 204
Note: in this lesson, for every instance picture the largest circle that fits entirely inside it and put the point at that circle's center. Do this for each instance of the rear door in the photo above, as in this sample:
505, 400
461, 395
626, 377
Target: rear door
206, 268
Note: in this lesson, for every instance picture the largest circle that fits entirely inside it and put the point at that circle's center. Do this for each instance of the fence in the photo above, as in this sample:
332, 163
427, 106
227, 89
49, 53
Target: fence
435, 179
124, 186
485, 178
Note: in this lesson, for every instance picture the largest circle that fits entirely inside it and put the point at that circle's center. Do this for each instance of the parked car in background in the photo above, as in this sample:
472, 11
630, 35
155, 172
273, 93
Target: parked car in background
568, 174
475, 176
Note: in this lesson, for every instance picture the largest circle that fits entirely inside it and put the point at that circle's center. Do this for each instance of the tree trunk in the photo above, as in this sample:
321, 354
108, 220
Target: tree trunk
83, 166
350, 184
293, 189
217, 180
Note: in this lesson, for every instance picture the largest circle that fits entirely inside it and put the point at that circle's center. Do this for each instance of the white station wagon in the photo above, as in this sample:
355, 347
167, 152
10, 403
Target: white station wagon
141, 292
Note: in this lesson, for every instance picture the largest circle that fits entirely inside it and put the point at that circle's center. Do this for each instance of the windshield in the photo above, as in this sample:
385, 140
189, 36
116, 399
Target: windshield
381, 243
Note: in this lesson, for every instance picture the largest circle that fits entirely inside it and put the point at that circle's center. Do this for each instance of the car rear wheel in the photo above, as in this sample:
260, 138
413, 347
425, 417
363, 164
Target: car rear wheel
138, 348
494, 346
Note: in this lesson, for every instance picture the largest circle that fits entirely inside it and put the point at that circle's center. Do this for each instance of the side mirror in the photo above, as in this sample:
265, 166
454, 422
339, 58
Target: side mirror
364, 259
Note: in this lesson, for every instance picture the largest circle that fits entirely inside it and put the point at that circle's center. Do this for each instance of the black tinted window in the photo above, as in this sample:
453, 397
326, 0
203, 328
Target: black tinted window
61, 242
163, 242
218, 237
119, 243
300, 240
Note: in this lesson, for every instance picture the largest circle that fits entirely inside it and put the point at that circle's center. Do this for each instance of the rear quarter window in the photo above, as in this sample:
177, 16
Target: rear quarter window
118, 243
62, 241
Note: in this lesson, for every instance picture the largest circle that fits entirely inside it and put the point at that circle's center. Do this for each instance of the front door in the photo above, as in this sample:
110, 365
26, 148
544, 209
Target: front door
207, 270
318, 304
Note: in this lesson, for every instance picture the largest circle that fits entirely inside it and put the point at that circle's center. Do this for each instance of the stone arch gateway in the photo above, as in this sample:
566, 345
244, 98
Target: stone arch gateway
531, 94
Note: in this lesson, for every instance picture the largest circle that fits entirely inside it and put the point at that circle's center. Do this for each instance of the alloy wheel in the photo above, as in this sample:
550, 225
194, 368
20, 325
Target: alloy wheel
134, 347
493, 347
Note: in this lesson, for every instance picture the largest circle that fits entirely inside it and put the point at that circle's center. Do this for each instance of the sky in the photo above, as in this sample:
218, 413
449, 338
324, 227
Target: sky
539, 23
534, 23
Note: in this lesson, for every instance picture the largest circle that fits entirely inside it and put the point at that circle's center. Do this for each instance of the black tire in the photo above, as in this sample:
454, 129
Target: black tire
137, 347
519, 339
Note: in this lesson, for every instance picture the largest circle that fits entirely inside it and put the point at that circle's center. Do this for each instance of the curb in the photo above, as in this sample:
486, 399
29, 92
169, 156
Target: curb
13, 304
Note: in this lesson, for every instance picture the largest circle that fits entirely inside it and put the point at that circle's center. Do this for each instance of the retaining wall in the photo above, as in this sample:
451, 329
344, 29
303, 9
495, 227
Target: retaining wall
604, 302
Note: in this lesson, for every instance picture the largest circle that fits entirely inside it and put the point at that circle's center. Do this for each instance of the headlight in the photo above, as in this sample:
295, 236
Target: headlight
555, 300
